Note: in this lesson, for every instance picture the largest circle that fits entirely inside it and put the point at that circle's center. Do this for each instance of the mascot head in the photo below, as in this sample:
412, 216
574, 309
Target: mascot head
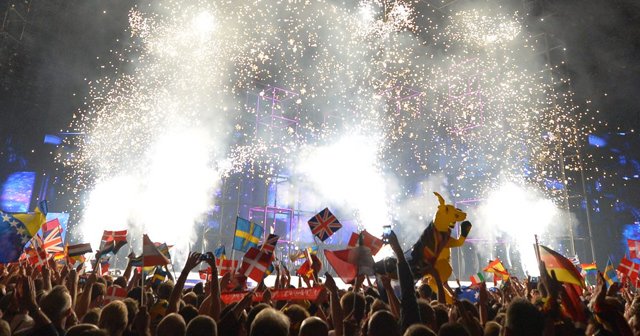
447, 215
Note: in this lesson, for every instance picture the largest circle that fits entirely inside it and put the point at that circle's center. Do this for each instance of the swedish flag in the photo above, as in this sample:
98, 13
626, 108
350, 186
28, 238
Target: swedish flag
220, 253
17, 229
247, 235
610, 273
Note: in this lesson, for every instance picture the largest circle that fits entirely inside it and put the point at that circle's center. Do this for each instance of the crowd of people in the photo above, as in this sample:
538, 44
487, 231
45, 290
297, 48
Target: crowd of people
52, 300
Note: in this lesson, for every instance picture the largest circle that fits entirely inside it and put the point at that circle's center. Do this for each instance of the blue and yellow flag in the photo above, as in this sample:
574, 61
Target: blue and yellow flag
220, 253
610, 273
247, 235
17, 229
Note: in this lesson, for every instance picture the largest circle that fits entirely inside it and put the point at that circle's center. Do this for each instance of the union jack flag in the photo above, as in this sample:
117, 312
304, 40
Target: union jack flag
270, 244
324, 224
52, 233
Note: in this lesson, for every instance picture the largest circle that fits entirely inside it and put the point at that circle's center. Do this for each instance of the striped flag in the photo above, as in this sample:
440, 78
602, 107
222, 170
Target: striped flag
78, 249
477, 278
576, 262
151, 256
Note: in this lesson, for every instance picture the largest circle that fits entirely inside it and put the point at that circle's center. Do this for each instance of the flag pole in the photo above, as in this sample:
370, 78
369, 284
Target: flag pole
537, 247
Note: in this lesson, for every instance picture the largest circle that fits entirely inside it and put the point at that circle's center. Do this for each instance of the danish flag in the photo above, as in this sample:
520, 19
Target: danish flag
226, 266
368, 240
115, 293
634, 248
629, 268
324, 224
255, 263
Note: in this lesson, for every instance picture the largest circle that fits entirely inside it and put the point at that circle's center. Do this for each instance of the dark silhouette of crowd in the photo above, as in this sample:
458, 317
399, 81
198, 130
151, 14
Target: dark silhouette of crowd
52, 300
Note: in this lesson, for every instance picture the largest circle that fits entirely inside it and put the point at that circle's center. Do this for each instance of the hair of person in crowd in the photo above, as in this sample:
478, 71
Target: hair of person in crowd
296, 314
270, 322
313, 326
418, 330
202, 325
382, 323
113, 318
172, 325
452, 329
523, 319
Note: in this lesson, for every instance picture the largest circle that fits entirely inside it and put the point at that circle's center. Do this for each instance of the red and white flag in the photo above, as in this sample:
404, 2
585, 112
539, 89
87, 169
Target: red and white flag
112, 241
368, 240
115, 293
629, 268
634, 248
255, 264
151, 256
226, 266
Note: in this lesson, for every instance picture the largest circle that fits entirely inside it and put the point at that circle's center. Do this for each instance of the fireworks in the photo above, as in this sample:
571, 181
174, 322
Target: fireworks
467, 97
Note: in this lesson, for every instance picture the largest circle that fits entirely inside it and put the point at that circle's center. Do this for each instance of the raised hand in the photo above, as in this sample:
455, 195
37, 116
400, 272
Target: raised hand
192, 261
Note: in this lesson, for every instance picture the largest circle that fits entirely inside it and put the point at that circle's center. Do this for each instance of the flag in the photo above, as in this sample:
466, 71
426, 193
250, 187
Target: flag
477, 278
468, 293
104, 265
220, 252
339, 260
17, 229
634, 248
610, 273
311, 266
565, 271
115, 293
247, 235
158, 276
255, 263
78, 249
629, 269
576, 262
205, 274
226, 265
589, 268
164, 249
270, 244
368, 240
35, 256
52, 237
297, 255
112, 241
150, 254
497, 268
324, 224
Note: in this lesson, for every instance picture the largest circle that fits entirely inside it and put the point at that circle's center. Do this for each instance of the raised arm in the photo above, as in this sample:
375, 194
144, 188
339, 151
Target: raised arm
409, 313
192, 261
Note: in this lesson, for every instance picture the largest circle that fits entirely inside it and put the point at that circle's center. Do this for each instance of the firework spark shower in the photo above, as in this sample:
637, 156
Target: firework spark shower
462, 94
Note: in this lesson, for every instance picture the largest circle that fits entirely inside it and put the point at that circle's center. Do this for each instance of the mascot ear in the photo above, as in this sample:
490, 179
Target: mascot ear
440, 199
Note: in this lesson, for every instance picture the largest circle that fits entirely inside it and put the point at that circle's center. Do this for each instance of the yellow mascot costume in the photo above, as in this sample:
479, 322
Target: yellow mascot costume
434, 246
